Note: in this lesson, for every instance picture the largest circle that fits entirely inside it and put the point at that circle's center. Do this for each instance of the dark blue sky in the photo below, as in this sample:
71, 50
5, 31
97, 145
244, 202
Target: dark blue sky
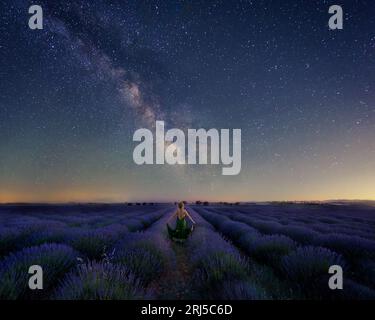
72, 94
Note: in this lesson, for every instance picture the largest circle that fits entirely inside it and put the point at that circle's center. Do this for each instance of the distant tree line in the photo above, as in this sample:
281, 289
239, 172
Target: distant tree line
140, 203
206, 203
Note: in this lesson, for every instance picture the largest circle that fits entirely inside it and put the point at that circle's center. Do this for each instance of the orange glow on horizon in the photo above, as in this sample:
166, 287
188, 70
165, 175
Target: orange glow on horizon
91, 196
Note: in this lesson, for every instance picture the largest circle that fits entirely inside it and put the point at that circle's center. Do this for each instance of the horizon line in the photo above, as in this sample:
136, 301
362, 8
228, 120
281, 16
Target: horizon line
171, 201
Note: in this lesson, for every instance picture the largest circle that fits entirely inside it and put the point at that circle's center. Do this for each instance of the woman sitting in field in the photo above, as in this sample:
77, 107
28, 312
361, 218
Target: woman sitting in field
181, 231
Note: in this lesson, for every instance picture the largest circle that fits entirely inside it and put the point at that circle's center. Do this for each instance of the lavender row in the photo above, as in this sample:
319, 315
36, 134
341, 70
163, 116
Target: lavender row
223, 273
89, 241
110, 264
353, 247
305, 267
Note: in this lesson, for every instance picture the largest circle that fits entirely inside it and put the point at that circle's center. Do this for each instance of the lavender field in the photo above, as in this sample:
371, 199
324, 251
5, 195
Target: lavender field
245, 251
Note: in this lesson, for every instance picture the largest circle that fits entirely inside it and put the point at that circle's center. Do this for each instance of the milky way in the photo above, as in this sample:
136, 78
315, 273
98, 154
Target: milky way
72, 95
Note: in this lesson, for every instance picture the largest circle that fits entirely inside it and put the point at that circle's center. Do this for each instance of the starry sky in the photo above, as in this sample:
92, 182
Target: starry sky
72, 95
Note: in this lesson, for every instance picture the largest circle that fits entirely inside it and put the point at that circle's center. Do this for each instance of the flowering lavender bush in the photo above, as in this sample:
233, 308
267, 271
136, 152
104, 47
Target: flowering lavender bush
12, 239
267, 249
144, 259
100, 281
267, 227
46, 236
307, 269
270, 249
234, 230
308, 262
301, 234
91, 244
352, 247
140, 222
220, 266
55, 259
134, 224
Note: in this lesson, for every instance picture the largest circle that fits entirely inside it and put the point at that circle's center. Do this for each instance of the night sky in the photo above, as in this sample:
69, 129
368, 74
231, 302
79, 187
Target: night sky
72, 95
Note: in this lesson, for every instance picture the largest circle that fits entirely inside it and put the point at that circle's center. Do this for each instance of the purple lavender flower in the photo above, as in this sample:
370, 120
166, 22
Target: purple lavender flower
101, 281
55, 260
307, 269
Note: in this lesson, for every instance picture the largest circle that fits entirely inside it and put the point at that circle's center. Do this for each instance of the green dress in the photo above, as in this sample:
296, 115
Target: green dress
181, 231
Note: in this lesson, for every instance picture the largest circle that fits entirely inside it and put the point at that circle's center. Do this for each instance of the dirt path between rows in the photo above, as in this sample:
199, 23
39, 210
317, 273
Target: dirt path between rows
177, 280
175, 283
